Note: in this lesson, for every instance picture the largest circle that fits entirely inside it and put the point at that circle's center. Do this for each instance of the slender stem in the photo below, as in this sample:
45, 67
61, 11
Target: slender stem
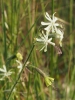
28, 32
4, 32
38, 70
71, 36
4, 39
52, 7
20, 72
42, 5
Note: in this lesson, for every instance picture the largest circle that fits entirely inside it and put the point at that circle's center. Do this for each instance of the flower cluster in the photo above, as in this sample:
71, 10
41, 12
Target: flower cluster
6, 74
52, 30
44, 40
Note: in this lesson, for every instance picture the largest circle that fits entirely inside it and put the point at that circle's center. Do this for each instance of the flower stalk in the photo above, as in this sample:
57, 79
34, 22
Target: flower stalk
21, 72
48, 80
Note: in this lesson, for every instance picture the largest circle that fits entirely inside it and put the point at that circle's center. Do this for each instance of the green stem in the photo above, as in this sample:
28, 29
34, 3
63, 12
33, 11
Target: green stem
15, 7
20, 72
38, 70
52, 7
71, 37
4, 32
28, 32
42, 5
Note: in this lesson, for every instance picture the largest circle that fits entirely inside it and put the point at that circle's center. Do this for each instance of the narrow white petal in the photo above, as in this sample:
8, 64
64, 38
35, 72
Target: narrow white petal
50, 39
18, 61
39, 40
52, 43
47, 17
55, 19
56, 24
44, 23
45, 36
53, 16
2, 70
48, 28
42, 48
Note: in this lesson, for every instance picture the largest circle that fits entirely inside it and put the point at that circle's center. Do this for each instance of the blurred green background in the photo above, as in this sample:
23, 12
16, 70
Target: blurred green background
20, 22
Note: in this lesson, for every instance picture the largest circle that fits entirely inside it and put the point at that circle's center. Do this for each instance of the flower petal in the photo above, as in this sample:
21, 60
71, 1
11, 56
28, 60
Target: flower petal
44, 23
48, 17
48, 28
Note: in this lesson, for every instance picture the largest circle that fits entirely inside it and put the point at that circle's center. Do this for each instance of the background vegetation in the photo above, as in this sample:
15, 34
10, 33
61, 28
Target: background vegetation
19, 25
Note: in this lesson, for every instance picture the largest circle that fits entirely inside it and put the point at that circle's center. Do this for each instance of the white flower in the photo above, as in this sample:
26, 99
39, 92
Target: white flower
44, 40
19, 66
51, 25
4, 73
